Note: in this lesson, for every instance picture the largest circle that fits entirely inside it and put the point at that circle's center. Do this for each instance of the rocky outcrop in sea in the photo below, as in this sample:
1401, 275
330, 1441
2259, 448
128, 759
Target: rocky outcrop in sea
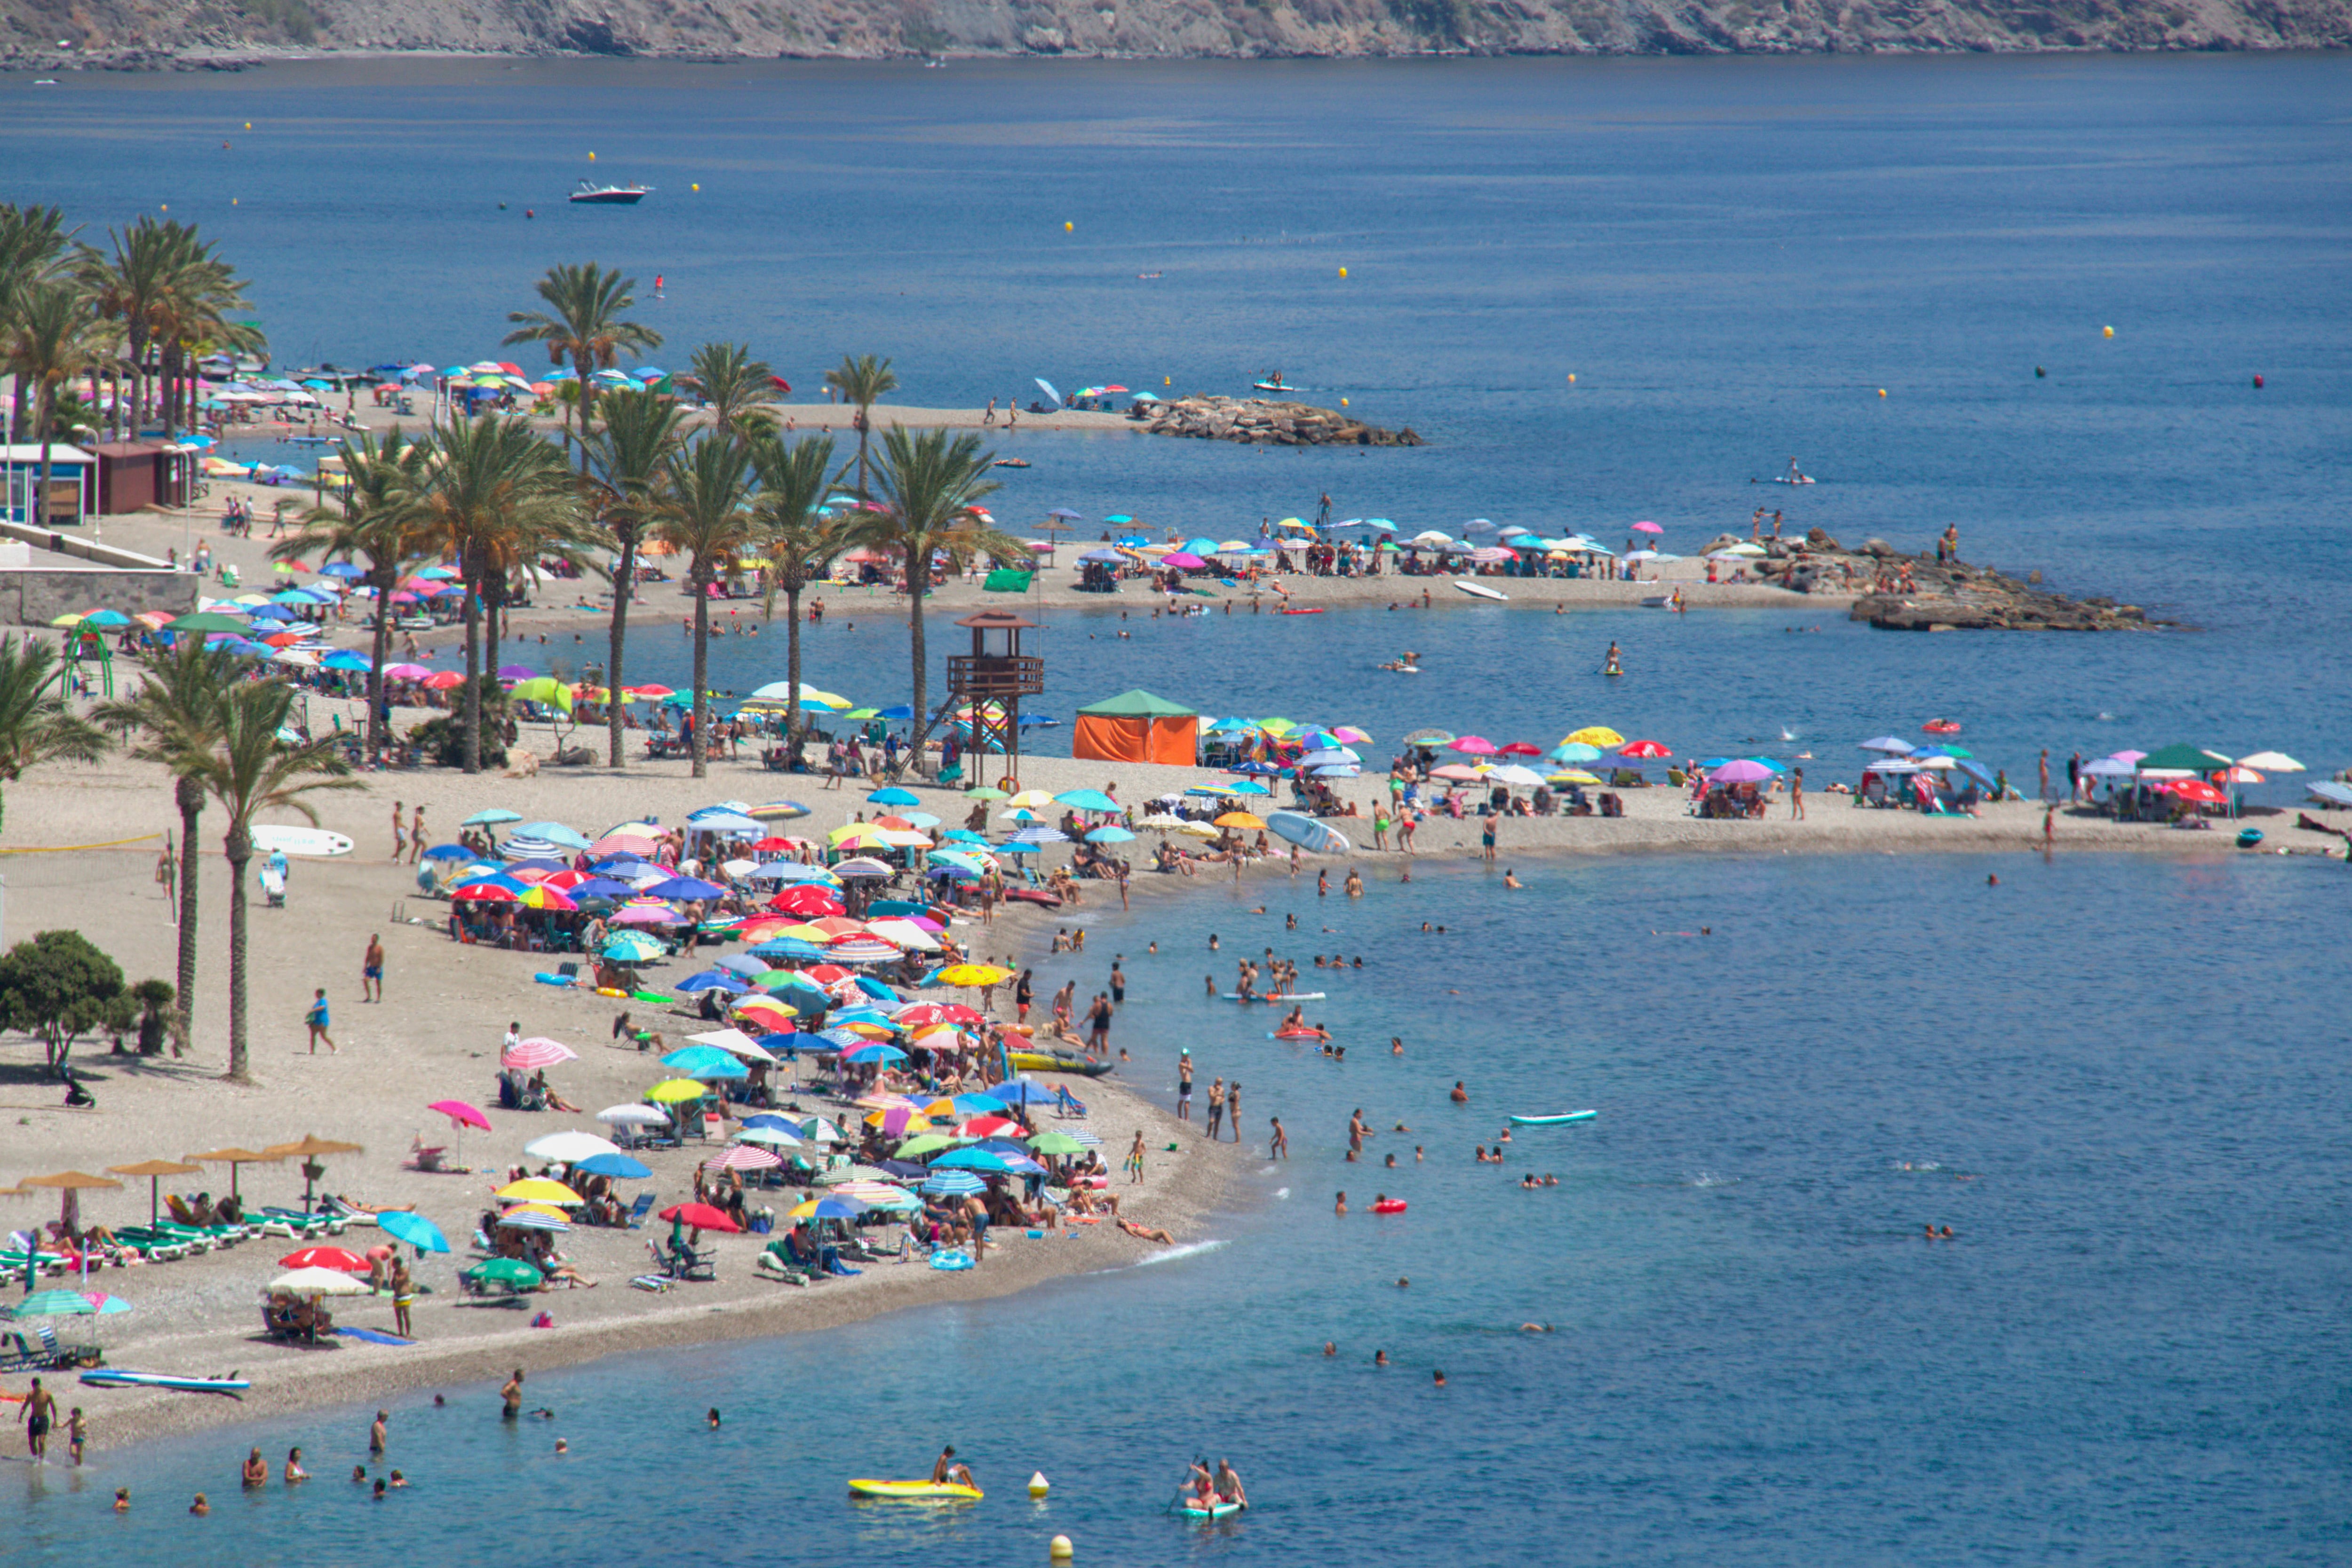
1260, 421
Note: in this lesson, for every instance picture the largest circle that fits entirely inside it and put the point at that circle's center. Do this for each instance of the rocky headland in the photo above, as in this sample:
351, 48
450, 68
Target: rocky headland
1264, 422
1903, 592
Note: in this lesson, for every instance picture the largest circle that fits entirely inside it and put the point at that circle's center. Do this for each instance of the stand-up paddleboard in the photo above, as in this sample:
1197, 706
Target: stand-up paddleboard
1209, 1515
1307, 833
914, 1491
1474, 592
1554, 1120
1286, 997
112, 1377
268, 837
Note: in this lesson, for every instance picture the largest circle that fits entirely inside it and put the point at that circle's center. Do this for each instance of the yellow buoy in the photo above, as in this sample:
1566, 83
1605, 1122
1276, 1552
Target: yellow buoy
591, 157
698, 186
1343, 402
1572, 378
1061, 1549
167, 206
232, 200
1168, 381
1068, 226
248, 125
2107, 331
1343, 272
1882, 392
1037, 1483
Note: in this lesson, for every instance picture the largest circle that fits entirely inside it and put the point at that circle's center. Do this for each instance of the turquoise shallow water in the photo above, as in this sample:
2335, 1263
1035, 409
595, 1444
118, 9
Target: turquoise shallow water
2132, 1350
2116, 1078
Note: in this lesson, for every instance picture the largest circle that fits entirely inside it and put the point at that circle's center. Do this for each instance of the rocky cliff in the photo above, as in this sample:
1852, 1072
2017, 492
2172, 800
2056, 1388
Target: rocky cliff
155, 32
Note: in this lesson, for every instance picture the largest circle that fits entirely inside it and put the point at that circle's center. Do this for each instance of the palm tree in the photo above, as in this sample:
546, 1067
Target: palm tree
862, 380
582, 326
129, 288
735, 385
929, 488
52, 335
381, 517
494, 486
249, 770
706, 516
176, 713
35, 247
36, 725
626, 470
792, 529
196, 294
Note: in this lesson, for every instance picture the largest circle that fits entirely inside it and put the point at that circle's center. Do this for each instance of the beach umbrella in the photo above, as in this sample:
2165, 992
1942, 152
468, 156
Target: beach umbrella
69, 1304
2197, 792
342, 1258
616, 1165
1572, 776
2272, 762
734, 1042
320, 1283
673, 1091
1740, 771
887, 1054
712, 980
508, 1271
1599, 735
1638, 750
1021, 1092
829, 1207
309, 1150
630, 948
155, 1171
493, 817
529, 1218
1243, 819
569, 1149
1057, 1143
633, 1116
700, 1215
862, 868
539, 1189
954, 1184
973, 1160
237, 1158
743, 1157
704, 1062
407, 1225
535, 1053
1086, 801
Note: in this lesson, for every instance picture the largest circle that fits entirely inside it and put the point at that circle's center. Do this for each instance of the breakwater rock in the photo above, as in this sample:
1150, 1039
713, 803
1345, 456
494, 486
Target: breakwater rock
1897, 592
1265, 421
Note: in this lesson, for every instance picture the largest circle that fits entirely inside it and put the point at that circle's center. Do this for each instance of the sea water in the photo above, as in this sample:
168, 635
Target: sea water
2113, 1077
2117, 1079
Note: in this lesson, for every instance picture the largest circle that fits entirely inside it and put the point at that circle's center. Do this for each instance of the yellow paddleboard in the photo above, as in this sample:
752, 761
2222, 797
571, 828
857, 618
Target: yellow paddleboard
914, 1491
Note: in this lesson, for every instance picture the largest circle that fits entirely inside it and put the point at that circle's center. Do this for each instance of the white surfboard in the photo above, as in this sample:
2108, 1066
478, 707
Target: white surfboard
1474, 592
1307, 833
300, 840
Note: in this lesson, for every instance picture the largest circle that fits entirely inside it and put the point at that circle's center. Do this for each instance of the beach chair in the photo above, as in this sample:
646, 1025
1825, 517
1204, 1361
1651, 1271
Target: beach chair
685, 1263
636, 1218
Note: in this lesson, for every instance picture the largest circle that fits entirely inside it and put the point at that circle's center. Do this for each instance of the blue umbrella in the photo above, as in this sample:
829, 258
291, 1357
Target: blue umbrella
619, 1166
599, 887
553, 832
704, 1062
343, 568
345, 661
887, 1055
893, 795
895, 711
407, 1225
972, 1160
1021, 1092
843, 1040
954, 1184
1109, 836
714, 980
789, 947
1088, 800
837, 1208
685, 887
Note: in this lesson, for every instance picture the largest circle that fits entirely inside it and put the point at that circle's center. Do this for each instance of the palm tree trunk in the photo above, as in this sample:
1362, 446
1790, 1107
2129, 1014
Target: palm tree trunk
44, 410
919, 582
587, 394
625, 588
171, 399
701, 667
239, 846
376, 727
862, 421
470, 711
190, 795
791, 666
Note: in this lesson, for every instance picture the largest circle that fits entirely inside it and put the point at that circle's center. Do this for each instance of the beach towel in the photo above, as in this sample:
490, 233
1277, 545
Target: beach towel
373, 1336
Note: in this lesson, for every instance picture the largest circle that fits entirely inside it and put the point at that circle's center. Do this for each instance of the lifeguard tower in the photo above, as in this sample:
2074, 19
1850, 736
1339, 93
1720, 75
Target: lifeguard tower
987, 684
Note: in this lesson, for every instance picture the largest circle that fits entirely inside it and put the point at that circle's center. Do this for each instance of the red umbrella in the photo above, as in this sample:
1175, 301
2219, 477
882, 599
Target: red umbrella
826, 974
956, 1012
484, 892
700, 1215
340, 1258
1521, 748
771, 845
989, 1127
920, 1016
442, 680
808, 901
2197, 792
1645, 748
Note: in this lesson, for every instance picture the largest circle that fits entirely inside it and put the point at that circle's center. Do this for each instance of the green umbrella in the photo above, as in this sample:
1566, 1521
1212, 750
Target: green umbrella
923, 1144
1051, 1143
68, 1304
508, 1271
209, 620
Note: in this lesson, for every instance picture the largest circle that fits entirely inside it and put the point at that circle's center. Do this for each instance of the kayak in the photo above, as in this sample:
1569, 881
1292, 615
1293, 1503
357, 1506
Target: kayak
1056, 1061
1036, 896
1554, 1120
1286, 996
914, 1491
111, 1378
1214, 1511
1308, 612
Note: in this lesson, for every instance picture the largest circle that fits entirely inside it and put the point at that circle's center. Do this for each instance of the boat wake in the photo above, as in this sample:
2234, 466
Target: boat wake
1190, 1249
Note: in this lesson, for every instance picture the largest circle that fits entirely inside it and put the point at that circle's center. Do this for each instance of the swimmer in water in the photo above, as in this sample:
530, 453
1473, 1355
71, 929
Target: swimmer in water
1379, 1358
1340, 1206
1535, 1328
1511, 879
1329, 1348
1460, 1096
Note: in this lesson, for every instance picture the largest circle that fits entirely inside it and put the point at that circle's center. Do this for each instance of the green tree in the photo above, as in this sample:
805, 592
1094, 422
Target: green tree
736, 386
790, 527
36, 724
382, 516
52, 336
496, 492
174, 713
862, 380
249, 770
931, 487
707, 518
197, 295
156, 1014
584, 325
35, 247
59, 988
627, 463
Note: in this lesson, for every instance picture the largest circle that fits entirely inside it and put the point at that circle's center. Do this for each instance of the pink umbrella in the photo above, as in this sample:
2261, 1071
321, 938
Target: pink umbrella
2128, 756
1474, 745
1456, 773
646, 915
463, 1114
743, 1157
1742, 771
1183, 560
406, 672
536, 1053
1647, 528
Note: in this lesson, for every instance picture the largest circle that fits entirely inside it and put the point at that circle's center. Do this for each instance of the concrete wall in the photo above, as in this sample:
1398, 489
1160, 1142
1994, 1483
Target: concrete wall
34, 593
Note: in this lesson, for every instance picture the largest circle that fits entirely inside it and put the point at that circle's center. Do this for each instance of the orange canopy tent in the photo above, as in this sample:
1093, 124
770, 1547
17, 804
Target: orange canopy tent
1136, 727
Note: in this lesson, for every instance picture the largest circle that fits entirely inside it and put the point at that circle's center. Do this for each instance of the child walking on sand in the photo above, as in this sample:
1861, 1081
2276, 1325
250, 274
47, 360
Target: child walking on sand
1135, 1159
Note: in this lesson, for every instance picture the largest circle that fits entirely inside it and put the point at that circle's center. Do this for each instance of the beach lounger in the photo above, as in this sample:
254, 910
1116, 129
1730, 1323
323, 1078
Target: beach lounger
639, 1209
773, 1264
685, 1263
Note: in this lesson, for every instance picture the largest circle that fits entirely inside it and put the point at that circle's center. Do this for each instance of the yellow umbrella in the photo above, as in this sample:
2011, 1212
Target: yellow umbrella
824, 699
1572, 776
1031, 798
1240, 819
1599, 735
71, 617
864, 833
545, 1210
914, 1123
1198, 829
973, 975
670, 1091
877, 1031
538, 1189
806, 1211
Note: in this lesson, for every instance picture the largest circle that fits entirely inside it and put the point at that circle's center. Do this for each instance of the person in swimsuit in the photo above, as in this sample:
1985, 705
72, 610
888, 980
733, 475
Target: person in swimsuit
946, 1470
371, 971
1216, 1116
39, 1410
255, 1471
510, 1396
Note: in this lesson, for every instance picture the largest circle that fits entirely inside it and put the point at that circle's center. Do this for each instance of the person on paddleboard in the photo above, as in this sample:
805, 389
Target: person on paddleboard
946, 1470
1229, 1484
